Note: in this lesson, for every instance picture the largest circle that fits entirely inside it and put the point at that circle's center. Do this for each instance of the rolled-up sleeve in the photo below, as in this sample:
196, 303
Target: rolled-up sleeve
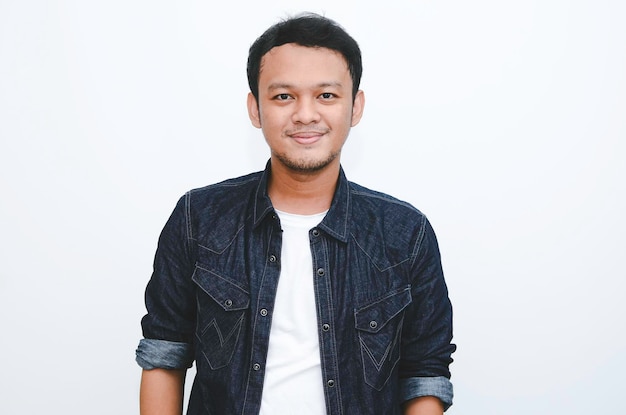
152, 354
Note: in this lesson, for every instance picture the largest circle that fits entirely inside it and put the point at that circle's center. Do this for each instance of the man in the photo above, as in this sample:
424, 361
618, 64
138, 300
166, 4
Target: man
294, 290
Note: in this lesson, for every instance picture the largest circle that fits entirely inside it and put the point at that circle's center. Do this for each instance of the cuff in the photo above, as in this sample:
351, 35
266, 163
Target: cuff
152, 354
439, 387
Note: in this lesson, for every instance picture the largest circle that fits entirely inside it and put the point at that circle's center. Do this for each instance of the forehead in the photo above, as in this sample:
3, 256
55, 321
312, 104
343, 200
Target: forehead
303, 63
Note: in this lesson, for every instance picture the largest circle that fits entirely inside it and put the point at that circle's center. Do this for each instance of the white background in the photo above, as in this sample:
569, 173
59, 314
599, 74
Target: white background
503, 121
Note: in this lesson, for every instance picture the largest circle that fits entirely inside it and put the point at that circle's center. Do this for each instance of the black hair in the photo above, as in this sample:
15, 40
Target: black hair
310, 30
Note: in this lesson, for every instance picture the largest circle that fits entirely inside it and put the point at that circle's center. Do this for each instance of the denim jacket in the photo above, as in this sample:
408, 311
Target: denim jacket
385, 320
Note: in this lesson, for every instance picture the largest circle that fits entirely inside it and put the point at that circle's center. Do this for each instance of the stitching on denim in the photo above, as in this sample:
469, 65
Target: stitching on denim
320, 317
257, 195
386, 198
377, 364
396, 340
220, 334
381, 299
255, 321
418, 241
332, 313
227, 245
234, 182
236, 328
348, 205
188, 216
230, 281
372, 259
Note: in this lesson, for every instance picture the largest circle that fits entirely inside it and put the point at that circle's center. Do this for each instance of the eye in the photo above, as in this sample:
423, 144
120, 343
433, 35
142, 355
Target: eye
327, 95
282, 97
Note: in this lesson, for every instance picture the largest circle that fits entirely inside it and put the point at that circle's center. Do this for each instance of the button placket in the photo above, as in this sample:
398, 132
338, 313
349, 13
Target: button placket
322, 275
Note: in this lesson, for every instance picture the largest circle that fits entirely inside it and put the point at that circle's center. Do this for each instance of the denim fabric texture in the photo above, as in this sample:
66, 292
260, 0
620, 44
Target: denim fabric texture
385, 320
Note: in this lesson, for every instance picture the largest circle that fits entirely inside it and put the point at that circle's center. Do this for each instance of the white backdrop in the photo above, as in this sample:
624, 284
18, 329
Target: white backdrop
504, 122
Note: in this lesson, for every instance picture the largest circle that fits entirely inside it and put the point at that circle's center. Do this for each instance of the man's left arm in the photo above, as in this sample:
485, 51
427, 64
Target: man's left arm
427, 347
425, 405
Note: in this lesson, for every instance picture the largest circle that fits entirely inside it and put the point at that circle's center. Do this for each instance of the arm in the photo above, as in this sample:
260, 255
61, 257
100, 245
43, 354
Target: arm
166, 351
426, 405
427, 333
161, 392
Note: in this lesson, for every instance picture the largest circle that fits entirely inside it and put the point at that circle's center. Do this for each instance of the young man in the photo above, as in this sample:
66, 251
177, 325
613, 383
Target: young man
293, 289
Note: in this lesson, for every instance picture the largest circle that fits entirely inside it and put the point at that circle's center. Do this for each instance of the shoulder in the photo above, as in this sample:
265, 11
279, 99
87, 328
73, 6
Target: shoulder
216, 212
381, 204
386, 228
227, 186
223, 194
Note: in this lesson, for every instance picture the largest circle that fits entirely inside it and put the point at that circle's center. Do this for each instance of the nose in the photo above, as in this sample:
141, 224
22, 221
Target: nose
305, 112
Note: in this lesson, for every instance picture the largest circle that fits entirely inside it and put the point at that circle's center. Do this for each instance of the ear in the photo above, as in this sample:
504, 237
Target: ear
253, 111
357, 108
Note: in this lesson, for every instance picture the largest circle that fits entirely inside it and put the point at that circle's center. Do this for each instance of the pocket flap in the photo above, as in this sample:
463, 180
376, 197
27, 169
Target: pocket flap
374, 316
224, 292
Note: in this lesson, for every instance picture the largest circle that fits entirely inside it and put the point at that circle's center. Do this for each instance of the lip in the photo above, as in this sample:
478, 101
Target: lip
307, 137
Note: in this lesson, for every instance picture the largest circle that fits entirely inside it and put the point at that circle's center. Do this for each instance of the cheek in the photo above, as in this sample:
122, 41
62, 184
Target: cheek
271, 126
344, 120
269, 123
272, 116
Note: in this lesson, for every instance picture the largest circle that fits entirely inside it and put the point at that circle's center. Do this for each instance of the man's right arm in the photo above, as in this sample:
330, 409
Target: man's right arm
166, 351
161, 392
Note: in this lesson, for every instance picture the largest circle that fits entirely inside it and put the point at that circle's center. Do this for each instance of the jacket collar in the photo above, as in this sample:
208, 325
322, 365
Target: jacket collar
335, 223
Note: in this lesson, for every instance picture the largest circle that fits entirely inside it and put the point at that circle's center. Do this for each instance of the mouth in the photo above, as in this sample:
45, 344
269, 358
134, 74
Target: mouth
306, 137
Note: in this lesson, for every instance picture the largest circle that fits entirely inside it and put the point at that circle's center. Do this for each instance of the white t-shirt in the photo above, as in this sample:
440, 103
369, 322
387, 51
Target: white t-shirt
293, 376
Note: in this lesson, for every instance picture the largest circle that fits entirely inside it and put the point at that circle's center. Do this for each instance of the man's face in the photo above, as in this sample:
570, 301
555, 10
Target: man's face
305, 106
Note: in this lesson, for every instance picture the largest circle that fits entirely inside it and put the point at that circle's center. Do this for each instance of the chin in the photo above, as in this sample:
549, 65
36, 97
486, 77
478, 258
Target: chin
307, 166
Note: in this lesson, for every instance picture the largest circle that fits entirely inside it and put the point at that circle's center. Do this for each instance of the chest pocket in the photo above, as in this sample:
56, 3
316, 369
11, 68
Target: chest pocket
379, 328
222, 307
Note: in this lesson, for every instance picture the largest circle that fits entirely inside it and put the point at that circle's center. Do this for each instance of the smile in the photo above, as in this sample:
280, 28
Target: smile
306, 137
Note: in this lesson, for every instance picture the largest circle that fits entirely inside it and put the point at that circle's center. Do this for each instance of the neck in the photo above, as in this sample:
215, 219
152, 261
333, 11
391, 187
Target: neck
302, 193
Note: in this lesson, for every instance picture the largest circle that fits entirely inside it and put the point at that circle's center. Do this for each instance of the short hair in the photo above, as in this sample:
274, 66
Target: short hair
310, 30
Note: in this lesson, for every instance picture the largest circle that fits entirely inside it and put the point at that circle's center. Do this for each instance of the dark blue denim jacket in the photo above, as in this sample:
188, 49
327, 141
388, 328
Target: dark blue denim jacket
385, 320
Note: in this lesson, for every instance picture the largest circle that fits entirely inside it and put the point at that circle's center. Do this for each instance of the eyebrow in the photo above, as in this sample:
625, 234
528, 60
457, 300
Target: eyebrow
280, 85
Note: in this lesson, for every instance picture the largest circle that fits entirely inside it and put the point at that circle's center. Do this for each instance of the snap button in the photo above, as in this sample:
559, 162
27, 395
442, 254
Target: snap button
228, 303
316, 232
272, 258
256, 366
331, 383
263, 312
326, 327
321, 272
373, 324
